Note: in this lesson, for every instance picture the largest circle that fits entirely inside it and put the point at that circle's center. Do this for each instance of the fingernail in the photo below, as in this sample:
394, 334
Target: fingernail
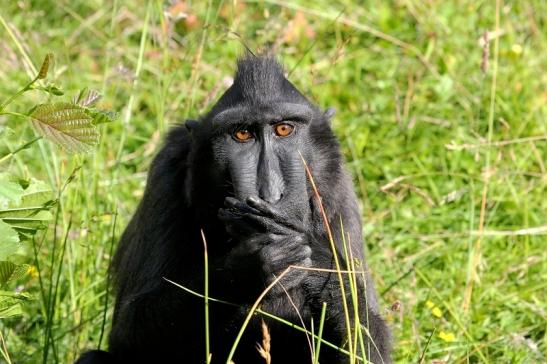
252, 199
230, 200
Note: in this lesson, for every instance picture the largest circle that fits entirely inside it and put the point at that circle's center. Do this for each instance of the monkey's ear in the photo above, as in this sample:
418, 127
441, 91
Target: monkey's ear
191, 125
329, 114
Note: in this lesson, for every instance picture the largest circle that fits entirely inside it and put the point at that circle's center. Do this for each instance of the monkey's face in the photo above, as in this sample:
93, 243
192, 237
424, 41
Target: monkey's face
261, 151
255, 139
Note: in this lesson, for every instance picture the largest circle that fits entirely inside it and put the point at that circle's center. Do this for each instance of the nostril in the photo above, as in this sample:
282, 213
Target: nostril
276, 198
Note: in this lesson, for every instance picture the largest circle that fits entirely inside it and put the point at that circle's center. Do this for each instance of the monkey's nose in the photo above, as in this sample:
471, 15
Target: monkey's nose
271, 190
270, 184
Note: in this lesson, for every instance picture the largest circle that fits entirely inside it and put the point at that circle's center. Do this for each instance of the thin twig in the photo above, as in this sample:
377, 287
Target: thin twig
500, 143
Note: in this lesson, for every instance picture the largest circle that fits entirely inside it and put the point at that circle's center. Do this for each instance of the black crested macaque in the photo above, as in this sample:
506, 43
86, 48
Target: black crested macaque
238, 174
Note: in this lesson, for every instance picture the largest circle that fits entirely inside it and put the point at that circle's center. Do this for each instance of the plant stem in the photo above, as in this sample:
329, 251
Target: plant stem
17, 94
14, 114
24, 146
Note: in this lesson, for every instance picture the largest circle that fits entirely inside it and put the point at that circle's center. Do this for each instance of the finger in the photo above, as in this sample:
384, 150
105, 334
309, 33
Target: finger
262, 206
228, 214
270, 211
237, 204
268, 224
235, 223
230, 201
231, 217
261, 240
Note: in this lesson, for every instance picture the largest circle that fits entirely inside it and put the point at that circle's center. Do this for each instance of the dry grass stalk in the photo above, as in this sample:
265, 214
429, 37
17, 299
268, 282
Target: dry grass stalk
264, 349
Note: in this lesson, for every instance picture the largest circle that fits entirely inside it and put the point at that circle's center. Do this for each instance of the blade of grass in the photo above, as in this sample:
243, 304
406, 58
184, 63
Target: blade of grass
333, 248
422, 356
4, 349
271, 316
206, 298
197, 61
140, 61
250, 314
320, 333
476, 255
353, 290
105, 307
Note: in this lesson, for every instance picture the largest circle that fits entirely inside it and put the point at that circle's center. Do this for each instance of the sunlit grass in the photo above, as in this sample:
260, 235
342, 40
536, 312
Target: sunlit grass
420, 126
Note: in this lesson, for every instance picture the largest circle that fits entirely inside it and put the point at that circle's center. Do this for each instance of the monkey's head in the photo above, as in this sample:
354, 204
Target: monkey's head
258, 134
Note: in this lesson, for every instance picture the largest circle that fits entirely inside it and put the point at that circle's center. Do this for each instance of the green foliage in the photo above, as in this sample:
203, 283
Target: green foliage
45, 66
9, 243
28, 212
72, 125
11, 303
66, 124
50, 89
24, 209
87, 98
25, 204
10, 191
10, 271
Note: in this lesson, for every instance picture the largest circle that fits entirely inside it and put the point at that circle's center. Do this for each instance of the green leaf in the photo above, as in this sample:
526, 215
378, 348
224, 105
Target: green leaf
66, 124
51, 89
31, 212
87, 97
45, 66
10, 308
10, 190
9, 240
11, 271
11, 303
102, 116
36, 193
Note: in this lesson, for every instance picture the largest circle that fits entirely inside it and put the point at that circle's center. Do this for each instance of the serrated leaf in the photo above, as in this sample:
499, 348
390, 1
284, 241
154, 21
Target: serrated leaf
102, 116
67, 125
11, 271
87, 97
45, 66
9, 240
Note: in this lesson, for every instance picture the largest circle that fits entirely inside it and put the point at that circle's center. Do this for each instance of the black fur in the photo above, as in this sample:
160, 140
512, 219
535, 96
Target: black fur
259, 215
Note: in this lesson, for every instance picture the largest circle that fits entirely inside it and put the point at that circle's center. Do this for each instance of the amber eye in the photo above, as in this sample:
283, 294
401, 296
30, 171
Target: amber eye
242, 135
283, 129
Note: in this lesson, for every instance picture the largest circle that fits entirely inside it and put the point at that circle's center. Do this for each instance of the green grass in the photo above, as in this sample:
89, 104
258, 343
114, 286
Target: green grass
449, 160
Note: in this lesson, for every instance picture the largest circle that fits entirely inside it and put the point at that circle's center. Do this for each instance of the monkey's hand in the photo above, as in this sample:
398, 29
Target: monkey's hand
267, 242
